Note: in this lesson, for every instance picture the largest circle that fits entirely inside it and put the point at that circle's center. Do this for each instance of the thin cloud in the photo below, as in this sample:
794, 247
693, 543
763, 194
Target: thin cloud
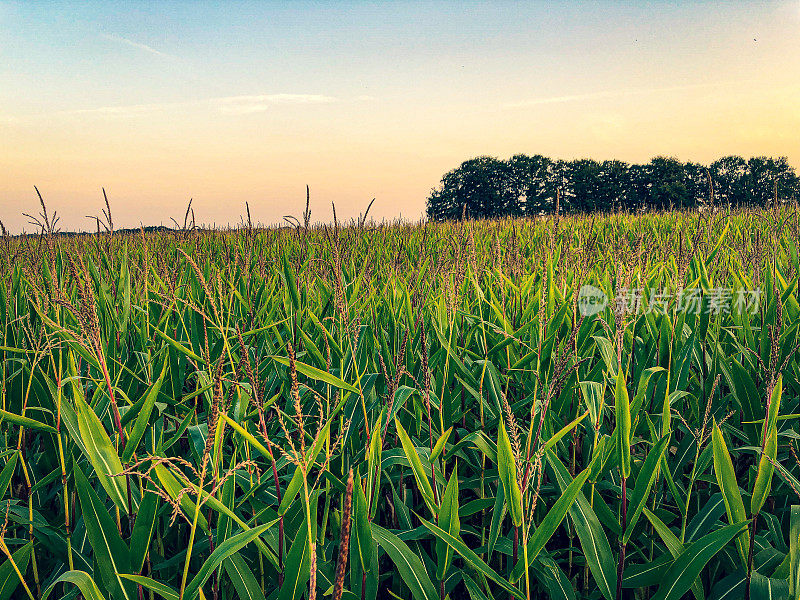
227, 105
129, 110
243, 105
606, 94
123, 40
561, 99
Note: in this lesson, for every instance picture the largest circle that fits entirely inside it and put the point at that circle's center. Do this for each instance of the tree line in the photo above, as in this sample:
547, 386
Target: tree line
486, 187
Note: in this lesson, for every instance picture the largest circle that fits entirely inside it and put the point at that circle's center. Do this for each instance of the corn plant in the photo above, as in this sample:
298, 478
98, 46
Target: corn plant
404, 410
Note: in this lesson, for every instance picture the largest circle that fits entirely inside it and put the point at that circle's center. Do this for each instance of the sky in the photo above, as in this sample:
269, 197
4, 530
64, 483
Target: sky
236, 102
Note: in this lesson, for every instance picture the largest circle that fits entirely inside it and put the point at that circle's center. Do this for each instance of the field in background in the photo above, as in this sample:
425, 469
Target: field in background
379, 411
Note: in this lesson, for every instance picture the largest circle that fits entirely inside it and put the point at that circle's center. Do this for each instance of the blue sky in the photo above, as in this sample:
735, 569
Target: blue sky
236, 102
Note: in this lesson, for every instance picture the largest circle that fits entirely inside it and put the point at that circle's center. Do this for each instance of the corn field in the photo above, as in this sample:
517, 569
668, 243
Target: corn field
403, 411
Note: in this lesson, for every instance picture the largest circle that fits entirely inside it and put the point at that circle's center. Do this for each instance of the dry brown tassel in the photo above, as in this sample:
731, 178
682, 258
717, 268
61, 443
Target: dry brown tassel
344, 539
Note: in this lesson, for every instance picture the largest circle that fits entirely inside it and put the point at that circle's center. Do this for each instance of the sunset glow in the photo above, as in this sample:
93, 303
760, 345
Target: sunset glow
160, 103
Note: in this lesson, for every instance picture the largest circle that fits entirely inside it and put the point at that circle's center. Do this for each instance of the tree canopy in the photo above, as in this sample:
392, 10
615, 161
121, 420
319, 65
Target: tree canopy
485, 186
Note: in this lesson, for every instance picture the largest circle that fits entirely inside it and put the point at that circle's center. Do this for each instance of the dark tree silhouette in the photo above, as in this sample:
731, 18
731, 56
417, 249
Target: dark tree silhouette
481, 187
729, 174
486, 187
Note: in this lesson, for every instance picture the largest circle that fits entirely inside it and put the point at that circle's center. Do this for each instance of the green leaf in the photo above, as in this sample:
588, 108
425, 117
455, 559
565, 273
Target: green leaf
471, 558
162, 589
82, 580
143, 530
102, 455
290, 282
623, 413
297, 479
602, 452
550, 523
24, 422
763, 483
449, 522
592, 392
111, 553
244, 582
794, 551
553, 579
8, 472
473, 588
225, 550
401, 396
745, 392
647, 574
498, 513
423, 483
218, 506
409, 566
9, 580
440, 444
297, 567
507, 467
687, 567
179, 347
775, 403
179, 431
726, 479
374, 463
126, 295
564, 431
591, 535
768, 588
674, 546
362, 530
666, 409
644, 483
226, 495
143, 418
641, 390
247, 436
173, 488
317, 374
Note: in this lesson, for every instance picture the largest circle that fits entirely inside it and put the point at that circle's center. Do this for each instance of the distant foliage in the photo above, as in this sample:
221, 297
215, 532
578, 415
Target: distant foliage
486, 187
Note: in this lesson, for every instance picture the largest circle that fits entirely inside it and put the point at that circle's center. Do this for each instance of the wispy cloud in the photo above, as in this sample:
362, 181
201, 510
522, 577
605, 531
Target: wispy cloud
130, 110
568, 98
243, 105
606, 94
226, 105
123, 40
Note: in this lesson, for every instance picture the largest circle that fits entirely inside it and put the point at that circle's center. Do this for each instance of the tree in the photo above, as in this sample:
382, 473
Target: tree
534, 183
729, 175
769, 177
639, 184
582, 185
613, 185
487, 187
482, 187
669, 188
697, 185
